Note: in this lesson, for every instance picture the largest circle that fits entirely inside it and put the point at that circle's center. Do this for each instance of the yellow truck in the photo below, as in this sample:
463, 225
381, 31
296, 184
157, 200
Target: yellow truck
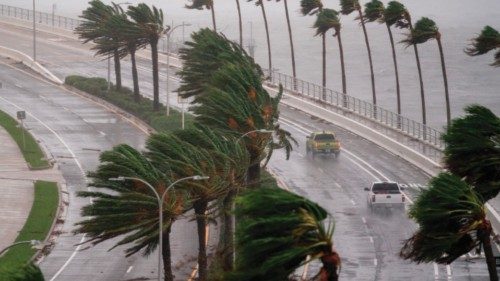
323, 142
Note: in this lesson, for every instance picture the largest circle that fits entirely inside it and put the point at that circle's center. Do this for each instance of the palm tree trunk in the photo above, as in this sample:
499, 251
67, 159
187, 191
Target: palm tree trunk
323, 54
156, 84
294, 73
226, 241
421, 81
267, 36
374, 95
484, 235
398, 92
240, 24
213, 17
331, 263
118, 74
135, 77
342, 67
253, 175
166, 255
445, 78
200, 208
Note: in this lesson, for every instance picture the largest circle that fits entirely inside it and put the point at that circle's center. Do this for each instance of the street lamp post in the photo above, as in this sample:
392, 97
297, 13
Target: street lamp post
160, 200
168, 31
34, 243
34, 31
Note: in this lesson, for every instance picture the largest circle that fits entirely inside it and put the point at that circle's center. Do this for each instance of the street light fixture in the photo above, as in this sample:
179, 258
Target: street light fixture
36, 244
160, 207
262, 131
168, 31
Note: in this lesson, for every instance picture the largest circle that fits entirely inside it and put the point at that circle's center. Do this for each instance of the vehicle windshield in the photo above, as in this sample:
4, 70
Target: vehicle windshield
324, 137
385, 187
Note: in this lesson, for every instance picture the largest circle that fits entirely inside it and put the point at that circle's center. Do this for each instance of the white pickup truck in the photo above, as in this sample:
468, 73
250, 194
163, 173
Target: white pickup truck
385, 194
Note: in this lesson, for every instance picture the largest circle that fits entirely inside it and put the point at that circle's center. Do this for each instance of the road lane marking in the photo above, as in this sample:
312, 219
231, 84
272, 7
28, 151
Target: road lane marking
363, 219
371, 240
436, 271
448, 272
375, 262
353, 203
130, 268
321, 170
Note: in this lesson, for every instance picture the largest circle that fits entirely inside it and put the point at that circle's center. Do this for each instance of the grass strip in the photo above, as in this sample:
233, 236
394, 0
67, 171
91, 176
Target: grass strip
124, 99
31, 150
37, 226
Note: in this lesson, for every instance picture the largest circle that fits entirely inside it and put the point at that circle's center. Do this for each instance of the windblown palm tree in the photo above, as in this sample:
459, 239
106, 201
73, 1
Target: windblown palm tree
488, 40
129, 209
150, 23
92, 28
452, 222
329, 19
292, 52
274, 240
186, 157
374, 11
472, 150
200, 4
426, 29
229, 96
127, 42
309, 8
347, 7
30, 272
396, 14
268, 39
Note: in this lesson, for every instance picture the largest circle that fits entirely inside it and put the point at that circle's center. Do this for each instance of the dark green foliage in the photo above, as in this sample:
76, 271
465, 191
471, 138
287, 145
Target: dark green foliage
124, 99
274, 239
396, 14
29, 272
149, 20
472, 150
94, 19
424, 30
310, 7
204, 55
200, 4
327, 19
349, 6
488, 40
374, 11
449, 214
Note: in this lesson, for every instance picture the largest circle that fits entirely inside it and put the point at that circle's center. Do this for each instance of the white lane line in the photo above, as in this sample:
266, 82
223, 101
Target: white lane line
375, 262
337, 185
436, 271
371, 240
130, 268
102, 133
448, 272
321, 170
353, 203
300, 154
363, 219
80, 167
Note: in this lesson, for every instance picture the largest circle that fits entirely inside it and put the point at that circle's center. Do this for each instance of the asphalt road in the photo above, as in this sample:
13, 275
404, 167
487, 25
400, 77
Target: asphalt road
367, 242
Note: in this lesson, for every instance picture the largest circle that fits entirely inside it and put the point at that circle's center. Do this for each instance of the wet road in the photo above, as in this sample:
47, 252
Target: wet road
367, 242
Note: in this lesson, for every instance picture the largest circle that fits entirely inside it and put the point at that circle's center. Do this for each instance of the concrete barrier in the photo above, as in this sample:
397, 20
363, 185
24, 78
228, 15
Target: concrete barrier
29, 62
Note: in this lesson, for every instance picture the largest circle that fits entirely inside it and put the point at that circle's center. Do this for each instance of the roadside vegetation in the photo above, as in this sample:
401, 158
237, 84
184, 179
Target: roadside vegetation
32, 152
14, 264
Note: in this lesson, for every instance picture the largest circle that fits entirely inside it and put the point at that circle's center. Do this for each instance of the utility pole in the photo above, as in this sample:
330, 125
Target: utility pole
34, 31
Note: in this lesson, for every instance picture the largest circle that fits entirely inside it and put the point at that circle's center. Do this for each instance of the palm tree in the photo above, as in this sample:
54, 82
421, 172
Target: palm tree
92, 29
452, 222
312, 7
261, 4
472, 150
208, 4
294, 72
488, 40
240, 24
150, 23
187, 159
347, 7
396, 14
274, 240
30, 272
130, 210
329, 19
127, 42
426, 29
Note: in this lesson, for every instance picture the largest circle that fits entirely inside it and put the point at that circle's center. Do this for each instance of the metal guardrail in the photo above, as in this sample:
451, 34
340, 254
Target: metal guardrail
429, 138
40, 17
359, 107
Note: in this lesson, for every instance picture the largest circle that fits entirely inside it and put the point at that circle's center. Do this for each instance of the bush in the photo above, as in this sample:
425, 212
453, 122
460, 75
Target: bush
124, 99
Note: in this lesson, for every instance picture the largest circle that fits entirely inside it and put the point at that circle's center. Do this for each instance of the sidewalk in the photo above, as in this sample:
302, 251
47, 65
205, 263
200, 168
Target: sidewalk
16, 188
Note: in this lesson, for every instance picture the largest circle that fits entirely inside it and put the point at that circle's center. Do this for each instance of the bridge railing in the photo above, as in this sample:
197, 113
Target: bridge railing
359, 107
40, 17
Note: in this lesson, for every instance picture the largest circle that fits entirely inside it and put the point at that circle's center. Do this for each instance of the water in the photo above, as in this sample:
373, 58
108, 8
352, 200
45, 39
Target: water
471, 79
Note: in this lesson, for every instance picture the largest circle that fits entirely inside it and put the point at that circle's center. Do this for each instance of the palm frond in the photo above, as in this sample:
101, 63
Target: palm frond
396, 14
488, 40
349, 6
374, 11
310, 7
200, 4
424, 30
327, 19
